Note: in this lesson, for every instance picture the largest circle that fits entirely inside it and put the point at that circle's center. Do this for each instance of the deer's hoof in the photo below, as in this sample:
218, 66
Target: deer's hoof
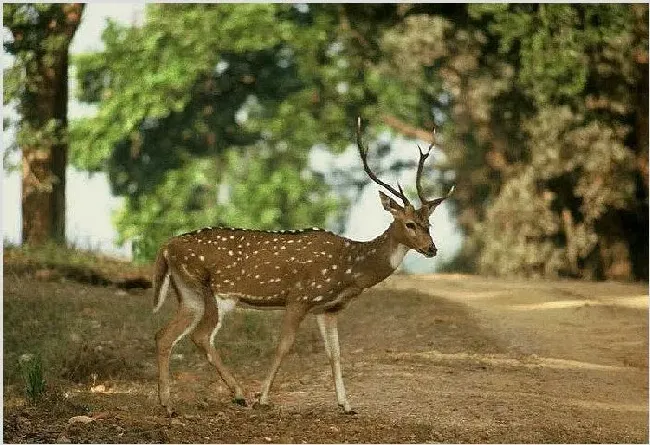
346, 409
239, 401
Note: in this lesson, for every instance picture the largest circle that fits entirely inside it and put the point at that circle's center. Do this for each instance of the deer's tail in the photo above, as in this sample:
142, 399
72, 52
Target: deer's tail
160, 279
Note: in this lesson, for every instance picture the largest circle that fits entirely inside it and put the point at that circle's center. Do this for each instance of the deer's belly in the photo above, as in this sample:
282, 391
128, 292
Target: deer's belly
256, 301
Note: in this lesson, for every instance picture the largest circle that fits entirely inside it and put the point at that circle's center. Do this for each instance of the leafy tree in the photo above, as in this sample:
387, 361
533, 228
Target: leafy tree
38, 83
545, 117
207, 98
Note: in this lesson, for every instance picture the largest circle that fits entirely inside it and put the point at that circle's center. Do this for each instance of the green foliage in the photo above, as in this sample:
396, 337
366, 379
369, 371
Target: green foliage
545, 126
207, 114
32, 373
205, 98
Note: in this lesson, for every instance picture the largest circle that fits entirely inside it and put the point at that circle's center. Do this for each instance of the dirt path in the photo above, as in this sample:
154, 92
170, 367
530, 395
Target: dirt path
426, 359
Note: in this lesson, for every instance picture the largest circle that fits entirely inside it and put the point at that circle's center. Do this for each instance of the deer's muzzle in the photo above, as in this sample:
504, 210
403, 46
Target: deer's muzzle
430, 252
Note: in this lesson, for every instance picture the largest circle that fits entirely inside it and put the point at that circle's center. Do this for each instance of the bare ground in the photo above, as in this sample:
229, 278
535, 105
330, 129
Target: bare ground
426, 359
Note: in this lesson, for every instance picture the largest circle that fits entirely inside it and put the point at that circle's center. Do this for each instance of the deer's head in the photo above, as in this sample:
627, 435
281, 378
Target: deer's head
411, 225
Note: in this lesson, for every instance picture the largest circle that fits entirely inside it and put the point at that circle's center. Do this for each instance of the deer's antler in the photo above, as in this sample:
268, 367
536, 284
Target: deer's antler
364, 158
423, 157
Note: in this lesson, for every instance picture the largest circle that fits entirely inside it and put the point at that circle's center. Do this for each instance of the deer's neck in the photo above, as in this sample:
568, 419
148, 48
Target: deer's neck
388, 255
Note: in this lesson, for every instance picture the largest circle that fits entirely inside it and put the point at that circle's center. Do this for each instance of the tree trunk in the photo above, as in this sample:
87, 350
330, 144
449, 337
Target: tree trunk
44, 158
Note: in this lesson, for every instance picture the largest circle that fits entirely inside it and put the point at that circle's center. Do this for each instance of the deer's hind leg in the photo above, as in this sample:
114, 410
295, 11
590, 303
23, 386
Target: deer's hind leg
204, 336
189, 313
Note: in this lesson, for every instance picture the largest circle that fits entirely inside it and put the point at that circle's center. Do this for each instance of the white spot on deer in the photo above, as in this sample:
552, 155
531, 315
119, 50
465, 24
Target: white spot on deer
239, 246
295, 271
290, 241
255, 252
324, 271
348, 271
299, 241
292, 258
276, 253
329, 255
359, 258
185, 257
318, 298
231, 253
323, 253
283, 248
257, 276
328, 279
373, 250
275, 239
318, 286
218, 271
202, 258
334, 266
266, 242
347, 244
305, 298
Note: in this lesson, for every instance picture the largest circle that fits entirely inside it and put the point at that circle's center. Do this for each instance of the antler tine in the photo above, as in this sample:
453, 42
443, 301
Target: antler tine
364, 158
418, 176
433, 203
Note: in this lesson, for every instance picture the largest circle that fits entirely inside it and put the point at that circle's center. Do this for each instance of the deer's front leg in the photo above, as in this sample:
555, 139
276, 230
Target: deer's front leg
293, 315
327, 323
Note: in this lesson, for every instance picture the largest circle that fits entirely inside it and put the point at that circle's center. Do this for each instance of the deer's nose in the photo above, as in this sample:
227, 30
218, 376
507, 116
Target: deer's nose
432, 251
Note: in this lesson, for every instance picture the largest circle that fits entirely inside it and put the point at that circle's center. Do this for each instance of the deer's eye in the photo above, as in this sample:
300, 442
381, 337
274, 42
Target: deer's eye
410, 225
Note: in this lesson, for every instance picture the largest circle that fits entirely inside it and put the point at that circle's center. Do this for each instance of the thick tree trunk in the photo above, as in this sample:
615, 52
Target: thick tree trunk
45, 158
44, 163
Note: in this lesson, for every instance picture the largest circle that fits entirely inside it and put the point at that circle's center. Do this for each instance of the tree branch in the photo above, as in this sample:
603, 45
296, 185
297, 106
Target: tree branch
407, 130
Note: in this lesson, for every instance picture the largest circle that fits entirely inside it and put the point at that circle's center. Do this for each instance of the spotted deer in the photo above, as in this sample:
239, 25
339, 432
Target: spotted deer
213, 270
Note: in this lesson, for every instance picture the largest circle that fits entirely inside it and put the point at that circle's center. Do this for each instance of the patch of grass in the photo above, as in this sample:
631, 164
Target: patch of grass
78, 330
99, 362
250, 334
32, 372
54, 261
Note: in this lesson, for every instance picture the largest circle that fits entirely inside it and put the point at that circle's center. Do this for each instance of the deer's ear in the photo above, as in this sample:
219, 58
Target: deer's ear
389, 204
431, 205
